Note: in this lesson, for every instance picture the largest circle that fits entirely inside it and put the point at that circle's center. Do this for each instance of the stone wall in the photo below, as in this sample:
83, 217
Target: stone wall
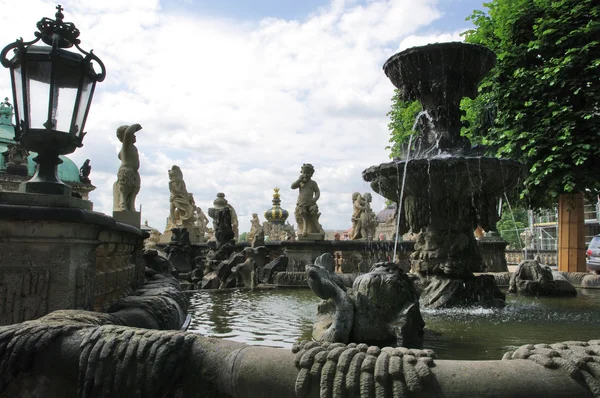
62, 258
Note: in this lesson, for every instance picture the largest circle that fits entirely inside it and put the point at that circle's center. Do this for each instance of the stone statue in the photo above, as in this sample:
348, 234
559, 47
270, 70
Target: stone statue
127, 185
234, 221
381, 307
307, 212
364, 219
181, 210
368, 218
358, 208
255, 228
201, 221
84, 172
535, 279
15, 159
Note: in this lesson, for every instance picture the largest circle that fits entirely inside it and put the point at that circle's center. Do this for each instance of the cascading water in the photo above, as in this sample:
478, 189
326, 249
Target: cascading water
446, 190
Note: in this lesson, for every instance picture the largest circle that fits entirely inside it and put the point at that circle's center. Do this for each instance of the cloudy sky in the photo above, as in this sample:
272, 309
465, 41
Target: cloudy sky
241, 93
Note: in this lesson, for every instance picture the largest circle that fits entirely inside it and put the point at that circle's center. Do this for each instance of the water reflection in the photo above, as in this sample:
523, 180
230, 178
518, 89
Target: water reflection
280, 317
275, 318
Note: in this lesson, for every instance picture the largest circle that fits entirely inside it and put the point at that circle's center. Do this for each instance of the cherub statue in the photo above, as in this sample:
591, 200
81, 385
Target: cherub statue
128, 181
358, 208
307, 212
181, 209
364, 220
84, 172
255, 228
201, 221
368, 218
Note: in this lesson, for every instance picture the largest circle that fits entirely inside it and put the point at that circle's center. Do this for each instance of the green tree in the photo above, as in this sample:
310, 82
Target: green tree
243, 236
540, 104
402, 119
511, 225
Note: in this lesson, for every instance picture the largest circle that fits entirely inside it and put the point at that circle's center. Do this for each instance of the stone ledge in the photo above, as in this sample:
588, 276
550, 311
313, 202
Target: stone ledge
11, 212
34, 199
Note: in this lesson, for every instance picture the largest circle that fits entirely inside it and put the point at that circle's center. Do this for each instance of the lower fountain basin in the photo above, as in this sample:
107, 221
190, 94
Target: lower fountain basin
279, 317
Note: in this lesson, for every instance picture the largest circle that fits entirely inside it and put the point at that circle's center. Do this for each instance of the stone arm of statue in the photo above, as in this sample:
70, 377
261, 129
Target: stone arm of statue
297, 184
128, 136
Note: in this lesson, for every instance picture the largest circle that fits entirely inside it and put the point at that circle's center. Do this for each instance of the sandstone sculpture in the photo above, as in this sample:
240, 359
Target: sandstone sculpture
535, 279
255, 228
382, 307
364, 222
128, 182
181, 210
307, 212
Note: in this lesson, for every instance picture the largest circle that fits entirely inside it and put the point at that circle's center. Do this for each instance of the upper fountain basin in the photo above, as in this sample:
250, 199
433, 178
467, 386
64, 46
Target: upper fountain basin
439, 69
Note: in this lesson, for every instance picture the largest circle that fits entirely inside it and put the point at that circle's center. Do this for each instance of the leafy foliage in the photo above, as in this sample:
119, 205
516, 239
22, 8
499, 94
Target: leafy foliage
243, 237
402, 119
511, 225
540, 104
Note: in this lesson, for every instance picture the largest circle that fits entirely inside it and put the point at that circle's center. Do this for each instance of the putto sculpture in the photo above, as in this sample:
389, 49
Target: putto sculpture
364, 220
127, 186
255, 228
128, 181
84, 172
307, 212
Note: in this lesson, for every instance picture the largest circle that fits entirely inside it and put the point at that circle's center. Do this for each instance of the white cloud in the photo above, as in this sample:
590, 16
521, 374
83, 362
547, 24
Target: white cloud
238, 105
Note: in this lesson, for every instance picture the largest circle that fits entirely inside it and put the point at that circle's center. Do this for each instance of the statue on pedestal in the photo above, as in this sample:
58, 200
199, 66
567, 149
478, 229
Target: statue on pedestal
128, 181
181, 210
84, 172
307, 212
255, 228
364, 219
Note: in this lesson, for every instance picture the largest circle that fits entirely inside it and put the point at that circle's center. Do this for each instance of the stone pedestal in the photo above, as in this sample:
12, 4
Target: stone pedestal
492, 249
312, 236
48, 255
133, 218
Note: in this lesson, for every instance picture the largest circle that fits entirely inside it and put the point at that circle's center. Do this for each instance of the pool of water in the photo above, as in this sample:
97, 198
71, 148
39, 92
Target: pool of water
280, 317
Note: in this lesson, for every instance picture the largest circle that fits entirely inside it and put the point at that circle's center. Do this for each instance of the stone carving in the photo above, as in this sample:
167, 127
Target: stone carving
181, 209
254, 228
579, 359
201, 221
534, 279
278, 232
157, 263
235, 225
128, 181
179, 250
153, 239
355, 370
15, 158
381, 308
84, 172
307, 212
364, 220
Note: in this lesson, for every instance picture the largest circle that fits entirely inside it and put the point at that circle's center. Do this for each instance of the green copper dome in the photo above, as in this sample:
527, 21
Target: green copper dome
67, 170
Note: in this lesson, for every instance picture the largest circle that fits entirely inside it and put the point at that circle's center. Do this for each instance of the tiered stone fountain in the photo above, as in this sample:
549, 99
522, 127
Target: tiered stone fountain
449, 189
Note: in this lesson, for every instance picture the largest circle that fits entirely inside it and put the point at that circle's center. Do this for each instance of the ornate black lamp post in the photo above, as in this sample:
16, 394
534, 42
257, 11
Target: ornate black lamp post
52, 92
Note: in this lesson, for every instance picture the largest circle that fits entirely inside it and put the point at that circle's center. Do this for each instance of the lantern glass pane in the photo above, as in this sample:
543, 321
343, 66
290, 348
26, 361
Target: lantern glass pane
62, 108
18, 82
38, 92
86, 92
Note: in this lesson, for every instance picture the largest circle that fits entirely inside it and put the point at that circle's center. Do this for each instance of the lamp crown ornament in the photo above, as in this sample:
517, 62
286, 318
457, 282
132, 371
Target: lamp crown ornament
67, 32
